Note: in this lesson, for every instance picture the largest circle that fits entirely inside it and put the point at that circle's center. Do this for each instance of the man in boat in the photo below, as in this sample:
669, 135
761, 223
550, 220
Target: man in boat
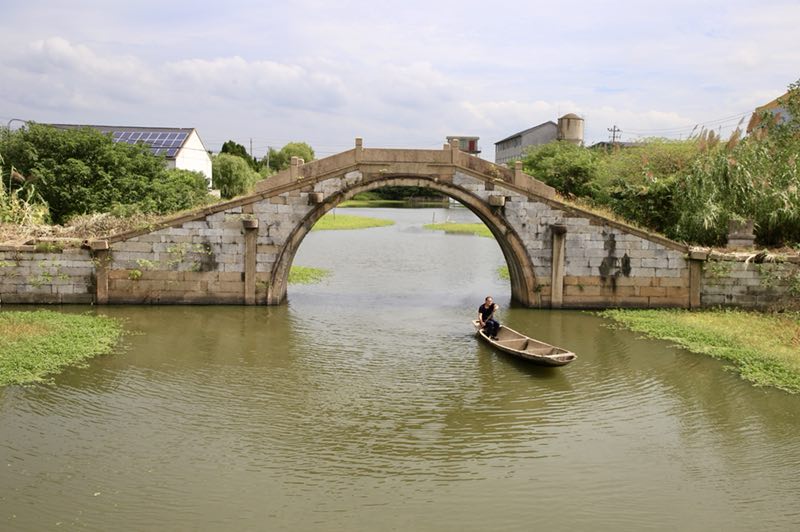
486, 317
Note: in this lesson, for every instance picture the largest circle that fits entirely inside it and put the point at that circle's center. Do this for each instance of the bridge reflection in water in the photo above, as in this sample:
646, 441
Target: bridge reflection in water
365, 403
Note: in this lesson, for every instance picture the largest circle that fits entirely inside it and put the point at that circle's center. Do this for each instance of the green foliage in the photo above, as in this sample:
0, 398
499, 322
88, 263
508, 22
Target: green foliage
477, 229
234, 148
568, 168
36, 344
690, 190
178, 190
503, 273
650, 204
281, 159
401, 193
232, 175
307, 275
762, 347
332, 221
80, 171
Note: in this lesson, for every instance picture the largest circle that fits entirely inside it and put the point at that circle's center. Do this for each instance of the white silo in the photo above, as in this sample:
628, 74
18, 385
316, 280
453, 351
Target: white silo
570, 129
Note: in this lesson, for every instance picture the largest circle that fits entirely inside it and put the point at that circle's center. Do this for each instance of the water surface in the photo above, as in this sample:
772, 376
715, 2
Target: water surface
366, 403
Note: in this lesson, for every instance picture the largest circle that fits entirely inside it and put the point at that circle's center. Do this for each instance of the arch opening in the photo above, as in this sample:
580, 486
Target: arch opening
523, 282
522, 278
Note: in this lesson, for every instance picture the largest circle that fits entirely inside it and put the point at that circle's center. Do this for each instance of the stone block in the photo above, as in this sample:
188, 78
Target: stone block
667, 272
230, 276
677, 292
655, 263
77, 298
652, 291
676, 280
226, 287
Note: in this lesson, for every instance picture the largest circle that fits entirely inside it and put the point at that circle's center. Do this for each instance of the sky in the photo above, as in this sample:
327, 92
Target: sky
398, 74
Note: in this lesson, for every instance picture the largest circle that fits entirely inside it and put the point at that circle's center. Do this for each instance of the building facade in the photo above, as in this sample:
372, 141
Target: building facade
515, 146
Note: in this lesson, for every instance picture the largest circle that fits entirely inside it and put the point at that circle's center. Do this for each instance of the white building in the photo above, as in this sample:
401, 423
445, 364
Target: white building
182, 147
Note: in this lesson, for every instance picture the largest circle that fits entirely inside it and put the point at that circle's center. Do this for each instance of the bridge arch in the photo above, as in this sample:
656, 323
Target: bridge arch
520, 266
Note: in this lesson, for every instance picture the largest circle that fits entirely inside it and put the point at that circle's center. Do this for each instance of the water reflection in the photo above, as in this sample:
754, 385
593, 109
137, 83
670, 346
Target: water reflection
366, 403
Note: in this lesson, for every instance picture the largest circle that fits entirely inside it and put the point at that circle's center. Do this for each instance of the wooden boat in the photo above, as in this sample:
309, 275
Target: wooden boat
517, 344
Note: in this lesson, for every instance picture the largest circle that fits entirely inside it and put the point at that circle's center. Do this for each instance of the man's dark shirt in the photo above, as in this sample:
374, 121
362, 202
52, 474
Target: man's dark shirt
486, 311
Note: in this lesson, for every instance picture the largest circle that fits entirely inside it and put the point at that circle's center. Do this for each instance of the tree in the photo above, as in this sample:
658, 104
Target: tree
233, 148
78, 171
280, 160
232, 175
568, 168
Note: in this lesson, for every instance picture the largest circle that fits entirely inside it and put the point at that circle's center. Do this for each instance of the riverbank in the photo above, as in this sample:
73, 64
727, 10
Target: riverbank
455, 228
34, 345
307, 275
336, 222
764, 348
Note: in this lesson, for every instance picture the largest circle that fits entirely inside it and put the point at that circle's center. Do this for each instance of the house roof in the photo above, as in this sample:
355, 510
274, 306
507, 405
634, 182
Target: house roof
777, 108
526, 131
166, 141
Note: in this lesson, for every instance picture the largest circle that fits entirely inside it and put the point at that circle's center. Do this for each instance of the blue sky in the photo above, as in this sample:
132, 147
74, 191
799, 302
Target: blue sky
400, 74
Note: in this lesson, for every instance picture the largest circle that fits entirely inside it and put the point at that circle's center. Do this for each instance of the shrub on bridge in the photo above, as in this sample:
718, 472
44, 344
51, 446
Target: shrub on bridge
568, 168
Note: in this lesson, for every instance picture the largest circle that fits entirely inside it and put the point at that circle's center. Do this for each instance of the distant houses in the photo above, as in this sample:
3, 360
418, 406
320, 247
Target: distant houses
181, 147
776, 108
466, 143
514, 146
568, 129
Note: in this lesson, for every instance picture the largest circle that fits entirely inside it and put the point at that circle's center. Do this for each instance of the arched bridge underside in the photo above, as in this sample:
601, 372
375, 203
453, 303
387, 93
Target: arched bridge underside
240, 251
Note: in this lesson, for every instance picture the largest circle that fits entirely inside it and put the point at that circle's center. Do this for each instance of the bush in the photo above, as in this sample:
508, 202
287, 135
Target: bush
690, 190
232, 175
568, 168
280, 159
79, 171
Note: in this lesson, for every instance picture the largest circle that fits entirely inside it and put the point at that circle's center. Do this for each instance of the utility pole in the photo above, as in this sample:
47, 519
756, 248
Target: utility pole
614, 131
251, 147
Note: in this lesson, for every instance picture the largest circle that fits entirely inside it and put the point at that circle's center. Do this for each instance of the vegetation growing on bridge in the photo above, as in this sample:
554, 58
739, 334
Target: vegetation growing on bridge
34, 345
764, 348
689, 190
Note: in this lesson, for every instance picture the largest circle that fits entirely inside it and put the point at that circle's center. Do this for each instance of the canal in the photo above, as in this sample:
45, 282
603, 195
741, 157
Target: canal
366, 403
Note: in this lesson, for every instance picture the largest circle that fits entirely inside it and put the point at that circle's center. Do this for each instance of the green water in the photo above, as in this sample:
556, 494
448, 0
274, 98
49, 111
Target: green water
366, 403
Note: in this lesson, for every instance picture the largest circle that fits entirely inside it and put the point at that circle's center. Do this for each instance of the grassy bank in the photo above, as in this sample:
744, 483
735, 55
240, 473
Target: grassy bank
764, 348
331, 222
36, 344
461, 228
372, 203
502, 273
307, 275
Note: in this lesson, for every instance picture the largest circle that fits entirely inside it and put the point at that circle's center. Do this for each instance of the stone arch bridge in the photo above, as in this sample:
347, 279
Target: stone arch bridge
240, 251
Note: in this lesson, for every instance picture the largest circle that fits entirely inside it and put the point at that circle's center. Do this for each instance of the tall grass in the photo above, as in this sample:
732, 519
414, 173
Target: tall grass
690, 190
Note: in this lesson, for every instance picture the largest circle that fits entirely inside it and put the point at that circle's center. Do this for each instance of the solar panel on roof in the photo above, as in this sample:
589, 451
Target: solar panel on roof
160, 142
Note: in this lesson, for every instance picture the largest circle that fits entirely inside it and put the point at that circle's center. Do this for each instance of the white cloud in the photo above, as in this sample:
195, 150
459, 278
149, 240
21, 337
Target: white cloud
326, 73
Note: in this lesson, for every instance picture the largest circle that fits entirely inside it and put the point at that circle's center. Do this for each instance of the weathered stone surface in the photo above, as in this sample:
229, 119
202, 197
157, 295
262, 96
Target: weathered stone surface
200, 257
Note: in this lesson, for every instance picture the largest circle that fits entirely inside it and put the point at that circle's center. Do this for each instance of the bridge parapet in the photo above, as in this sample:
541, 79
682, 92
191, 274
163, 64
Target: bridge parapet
240, 251
403, 161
